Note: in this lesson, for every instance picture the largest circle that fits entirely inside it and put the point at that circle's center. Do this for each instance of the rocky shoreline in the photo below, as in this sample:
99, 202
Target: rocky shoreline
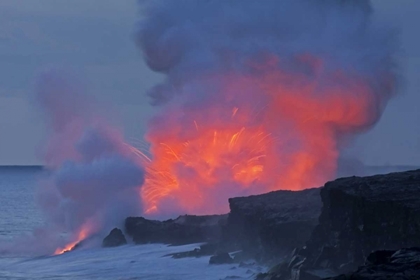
185, 229
310, 234
359, 215
269, 226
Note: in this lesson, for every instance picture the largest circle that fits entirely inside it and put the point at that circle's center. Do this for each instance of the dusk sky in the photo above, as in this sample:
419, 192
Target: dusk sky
94, 39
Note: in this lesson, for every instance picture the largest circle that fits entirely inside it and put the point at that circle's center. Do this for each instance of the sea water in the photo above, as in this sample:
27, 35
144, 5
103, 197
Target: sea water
19, 215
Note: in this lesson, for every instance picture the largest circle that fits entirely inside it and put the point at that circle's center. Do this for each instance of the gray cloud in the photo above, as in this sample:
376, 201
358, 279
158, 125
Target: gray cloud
37, 33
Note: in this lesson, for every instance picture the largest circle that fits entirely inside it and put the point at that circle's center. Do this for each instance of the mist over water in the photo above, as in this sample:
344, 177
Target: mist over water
92, 179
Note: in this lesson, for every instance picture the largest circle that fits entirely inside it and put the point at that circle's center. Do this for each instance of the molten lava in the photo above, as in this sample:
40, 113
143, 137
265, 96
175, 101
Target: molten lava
191, 169
262, 132
82, 235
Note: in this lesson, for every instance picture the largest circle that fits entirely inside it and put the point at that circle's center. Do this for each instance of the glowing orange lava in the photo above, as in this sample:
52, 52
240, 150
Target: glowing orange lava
268, 131
83, 234
217, 156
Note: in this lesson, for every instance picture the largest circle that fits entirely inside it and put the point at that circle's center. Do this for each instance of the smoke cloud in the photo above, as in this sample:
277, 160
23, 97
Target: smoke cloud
259, 95
92, 181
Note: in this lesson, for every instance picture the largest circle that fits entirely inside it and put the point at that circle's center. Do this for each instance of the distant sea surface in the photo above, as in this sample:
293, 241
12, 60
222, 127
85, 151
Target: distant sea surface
19, 213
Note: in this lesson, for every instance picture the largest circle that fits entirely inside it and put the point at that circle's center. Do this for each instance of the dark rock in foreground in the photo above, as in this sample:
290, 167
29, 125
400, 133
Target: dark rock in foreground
183, 230
291, 269
114, 238
359, 215
207, 249
262, 227
273, 224
403, 264
221, 258
365, 214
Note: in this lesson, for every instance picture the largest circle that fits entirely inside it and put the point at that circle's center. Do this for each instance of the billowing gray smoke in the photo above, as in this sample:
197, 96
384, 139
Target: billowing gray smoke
307, 74
92, 181
186, 39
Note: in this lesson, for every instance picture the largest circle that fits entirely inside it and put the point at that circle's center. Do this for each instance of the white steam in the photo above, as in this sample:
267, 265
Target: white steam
93, 181
312, 74
188, 39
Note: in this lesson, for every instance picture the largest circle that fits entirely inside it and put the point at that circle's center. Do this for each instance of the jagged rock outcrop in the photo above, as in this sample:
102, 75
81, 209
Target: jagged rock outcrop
221, 258
263, 226
270, 225
206, 249
183, 230
403, 264
359, 215
114, 238
364, 214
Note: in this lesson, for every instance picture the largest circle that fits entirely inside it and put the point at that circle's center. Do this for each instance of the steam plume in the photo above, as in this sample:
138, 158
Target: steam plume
93, 180
258, 96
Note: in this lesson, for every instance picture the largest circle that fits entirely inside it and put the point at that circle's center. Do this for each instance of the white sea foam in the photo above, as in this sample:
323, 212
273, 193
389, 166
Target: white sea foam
125, 262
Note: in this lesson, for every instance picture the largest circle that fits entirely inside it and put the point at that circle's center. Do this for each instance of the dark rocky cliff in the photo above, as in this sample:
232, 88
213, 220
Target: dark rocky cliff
272, 224
334, 229
363, 214
359, 215
264, 227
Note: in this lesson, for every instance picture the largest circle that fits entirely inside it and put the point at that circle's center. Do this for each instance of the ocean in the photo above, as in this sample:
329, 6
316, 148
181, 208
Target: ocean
19, 215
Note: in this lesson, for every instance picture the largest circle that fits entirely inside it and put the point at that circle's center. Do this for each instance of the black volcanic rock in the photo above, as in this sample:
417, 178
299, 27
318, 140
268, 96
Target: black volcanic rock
221, 258
360, 215
272, 224
183, 230
114, 238
403, 264
364, 214
206, 249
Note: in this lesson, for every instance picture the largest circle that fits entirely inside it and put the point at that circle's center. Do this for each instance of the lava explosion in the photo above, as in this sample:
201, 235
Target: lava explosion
259, 96
288, 142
